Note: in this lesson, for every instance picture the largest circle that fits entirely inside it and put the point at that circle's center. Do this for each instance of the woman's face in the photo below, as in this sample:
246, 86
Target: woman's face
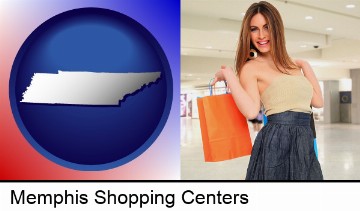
259, 32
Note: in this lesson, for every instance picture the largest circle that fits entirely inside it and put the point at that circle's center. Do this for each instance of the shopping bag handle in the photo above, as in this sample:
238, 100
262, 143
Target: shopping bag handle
211, 87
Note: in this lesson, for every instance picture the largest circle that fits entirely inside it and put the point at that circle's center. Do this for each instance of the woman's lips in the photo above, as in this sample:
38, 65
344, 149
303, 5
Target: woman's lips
262, 43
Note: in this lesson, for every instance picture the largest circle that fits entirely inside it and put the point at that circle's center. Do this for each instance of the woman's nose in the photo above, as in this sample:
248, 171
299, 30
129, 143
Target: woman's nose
261, 34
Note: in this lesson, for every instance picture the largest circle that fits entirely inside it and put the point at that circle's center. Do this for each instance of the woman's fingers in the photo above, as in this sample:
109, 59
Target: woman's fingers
214, 81
218, 75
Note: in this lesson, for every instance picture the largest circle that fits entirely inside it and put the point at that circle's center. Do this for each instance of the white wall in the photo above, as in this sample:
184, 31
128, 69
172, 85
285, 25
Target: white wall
324, 74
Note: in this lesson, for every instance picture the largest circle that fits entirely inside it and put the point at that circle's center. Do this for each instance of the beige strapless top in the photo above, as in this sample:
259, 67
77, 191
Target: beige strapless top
287, 93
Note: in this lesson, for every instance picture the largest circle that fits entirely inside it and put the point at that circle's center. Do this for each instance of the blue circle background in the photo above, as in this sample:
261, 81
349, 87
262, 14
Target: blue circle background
92, 137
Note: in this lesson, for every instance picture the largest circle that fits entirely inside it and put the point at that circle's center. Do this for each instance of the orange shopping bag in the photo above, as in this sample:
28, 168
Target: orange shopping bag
224, 129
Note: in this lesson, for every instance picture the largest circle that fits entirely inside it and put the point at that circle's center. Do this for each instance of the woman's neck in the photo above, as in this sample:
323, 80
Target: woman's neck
266, 56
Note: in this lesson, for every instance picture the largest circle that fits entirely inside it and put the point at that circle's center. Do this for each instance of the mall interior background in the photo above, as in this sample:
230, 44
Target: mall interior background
325, 33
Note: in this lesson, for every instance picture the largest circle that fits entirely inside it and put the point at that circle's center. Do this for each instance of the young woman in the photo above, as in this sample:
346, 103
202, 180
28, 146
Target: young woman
264, 73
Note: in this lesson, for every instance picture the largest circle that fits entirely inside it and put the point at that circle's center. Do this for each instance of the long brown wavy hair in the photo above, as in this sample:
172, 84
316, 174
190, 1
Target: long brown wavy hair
278, 51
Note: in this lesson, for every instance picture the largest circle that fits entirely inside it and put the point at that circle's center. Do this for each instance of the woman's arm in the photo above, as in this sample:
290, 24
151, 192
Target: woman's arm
245, 94
317, 100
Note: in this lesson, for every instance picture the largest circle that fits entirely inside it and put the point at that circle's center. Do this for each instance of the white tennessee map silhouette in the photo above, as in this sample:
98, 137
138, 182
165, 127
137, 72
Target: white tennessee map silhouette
85, 88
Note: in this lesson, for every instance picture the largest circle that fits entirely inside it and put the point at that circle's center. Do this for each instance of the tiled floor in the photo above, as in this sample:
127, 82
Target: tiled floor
338, 146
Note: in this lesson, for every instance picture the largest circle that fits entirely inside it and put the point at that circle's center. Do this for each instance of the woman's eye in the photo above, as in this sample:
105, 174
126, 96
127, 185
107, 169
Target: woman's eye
253, 29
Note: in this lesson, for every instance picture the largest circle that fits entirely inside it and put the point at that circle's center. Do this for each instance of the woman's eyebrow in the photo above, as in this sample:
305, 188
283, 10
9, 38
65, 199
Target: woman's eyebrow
257, 27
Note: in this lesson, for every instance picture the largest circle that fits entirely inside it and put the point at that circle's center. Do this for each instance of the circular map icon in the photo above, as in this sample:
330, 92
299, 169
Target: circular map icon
91, 89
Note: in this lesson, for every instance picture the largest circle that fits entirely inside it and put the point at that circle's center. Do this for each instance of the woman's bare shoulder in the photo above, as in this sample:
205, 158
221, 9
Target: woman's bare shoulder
301, 63
249, 69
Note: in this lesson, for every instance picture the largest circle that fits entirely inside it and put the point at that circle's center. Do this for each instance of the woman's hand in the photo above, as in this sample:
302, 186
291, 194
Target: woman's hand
221, 74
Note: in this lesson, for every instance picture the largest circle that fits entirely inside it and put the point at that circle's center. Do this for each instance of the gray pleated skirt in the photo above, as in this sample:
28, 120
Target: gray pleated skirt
284, 150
